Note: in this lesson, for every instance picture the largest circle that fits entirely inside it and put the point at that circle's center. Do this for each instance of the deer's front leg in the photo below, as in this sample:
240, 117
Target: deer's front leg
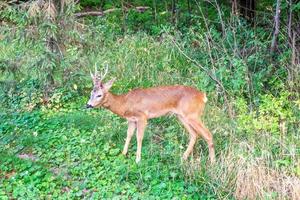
130, 132
141, 125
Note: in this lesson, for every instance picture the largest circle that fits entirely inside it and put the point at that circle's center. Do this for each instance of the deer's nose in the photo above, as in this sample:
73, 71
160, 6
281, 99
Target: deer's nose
89, 106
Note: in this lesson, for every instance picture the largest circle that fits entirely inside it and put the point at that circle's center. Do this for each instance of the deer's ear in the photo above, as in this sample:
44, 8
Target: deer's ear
108, 85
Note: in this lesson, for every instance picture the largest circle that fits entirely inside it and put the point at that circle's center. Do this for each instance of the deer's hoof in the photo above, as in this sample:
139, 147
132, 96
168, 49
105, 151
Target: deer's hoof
137, 160
184, 157
212, 161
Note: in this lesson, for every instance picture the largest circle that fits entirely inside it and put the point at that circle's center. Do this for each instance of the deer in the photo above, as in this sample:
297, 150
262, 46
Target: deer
141, 104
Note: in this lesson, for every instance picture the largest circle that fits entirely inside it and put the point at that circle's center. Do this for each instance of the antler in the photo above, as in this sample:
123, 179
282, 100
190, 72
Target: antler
96, 71
103, 75
96, 77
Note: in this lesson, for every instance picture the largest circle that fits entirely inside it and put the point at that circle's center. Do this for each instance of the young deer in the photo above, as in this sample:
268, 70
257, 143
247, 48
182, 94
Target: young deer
139, 105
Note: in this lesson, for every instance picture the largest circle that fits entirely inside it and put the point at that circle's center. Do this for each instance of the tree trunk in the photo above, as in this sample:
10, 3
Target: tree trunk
289, 20
247, 9
56, 9
276, 27
154, 12
189, 11
221, 19
234, 7
102, 4
62, 6
173, 12
124, 17
189, 7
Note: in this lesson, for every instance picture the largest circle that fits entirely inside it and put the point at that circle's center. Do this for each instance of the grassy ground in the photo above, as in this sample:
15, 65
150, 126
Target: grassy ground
75, 152
65, 151
72, 152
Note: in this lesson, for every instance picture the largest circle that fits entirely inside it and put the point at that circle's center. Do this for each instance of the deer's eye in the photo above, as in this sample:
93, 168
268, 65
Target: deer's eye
99, 95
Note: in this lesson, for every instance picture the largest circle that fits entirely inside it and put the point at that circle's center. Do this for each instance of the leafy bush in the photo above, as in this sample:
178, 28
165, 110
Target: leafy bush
273, 114
50, 147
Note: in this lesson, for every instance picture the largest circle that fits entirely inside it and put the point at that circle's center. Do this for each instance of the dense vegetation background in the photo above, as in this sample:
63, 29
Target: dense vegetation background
244, 54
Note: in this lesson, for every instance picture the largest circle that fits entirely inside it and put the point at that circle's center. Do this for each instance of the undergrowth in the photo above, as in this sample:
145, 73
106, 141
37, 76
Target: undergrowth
52, 147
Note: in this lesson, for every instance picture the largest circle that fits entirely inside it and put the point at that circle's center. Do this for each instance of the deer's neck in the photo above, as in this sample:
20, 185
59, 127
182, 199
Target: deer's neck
115, 103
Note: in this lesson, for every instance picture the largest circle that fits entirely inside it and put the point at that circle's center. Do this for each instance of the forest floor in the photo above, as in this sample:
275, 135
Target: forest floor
73, 152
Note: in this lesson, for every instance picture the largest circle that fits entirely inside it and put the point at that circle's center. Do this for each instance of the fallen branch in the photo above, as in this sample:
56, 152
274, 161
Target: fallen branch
13, 1
139, 9
90, 13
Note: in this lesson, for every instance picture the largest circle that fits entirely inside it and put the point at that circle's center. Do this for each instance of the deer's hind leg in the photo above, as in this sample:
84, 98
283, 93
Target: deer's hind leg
141, 125
207, 136
193, 137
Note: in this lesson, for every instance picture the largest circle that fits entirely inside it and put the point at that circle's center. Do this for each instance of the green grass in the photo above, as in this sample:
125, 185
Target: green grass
74, 153
57, 149
77, 153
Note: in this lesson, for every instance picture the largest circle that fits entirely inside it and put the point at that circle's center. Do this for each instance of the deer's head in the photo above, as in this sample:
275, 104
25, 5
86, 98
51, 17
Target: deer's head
100, 89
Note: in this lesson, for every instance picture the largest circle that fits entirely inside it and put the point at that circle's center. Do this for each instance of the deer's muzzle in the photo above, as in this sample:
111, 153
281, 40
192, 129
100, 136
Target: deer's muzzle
89, 106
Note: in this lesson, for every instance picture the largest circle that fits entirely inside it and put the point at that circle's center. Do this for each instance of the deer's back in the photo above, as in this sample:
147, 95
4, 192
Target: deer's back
158, 101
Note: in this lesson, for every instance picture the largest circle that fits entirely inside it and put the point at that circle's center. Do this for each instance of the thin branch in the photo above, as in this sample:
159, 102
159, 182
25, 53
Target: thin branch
209, 73
139, 9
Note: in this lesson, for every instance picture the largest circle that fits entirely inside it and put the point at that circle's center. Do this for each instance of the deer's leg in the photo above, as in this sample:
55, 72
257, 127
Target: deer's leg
193, 137
141, 125
207, 136
130, 132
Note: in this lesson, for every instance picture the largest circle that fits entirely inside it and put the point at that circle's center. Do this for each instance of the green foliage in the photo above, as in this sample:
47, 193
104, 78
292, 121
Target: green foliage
271, 114
51, 147
90, 2
77, 154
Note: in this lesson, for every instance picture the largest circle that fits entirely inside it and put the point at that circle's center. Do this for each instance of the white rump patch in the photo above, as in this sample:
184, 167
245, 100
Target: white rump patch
205, 98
